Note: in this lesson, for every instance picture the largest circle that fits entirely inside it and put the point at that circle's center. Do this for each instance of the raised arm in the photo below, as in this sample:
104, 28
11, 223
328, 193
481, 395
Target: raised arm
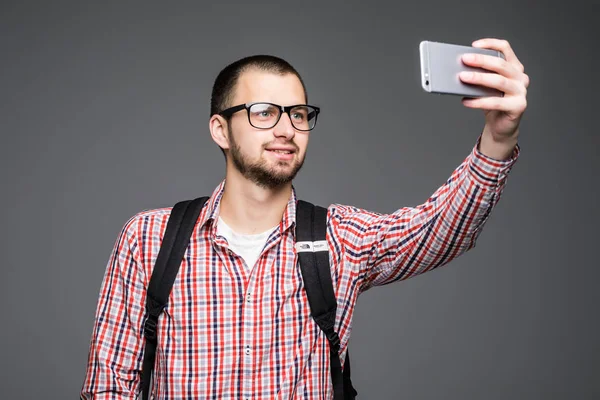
383, 248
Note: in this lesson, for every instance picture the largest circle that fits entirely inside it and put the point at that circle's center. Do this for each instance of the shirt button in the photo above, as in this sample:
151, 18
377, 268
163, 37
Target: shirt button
248, 350
248, 297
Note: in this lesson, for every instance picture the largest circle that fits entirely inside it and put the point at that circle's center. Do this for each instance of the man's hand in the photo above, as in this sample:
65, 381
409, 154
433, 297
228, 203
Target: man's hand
502, 114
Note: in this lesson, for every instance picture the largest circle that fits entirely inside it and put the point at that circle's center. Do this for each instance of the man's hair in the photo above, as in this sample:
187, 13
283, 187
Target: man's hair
223, 90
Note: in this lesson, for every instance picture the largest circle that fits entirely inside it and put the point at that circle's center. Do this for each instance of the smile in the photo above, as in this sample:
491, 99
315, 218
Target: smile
282, 154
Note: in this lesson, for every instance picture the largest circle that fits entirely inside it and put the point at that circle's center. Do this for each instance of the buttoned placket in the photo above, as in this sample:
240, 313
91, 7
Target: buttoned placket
248, 308
248, 316
246, 361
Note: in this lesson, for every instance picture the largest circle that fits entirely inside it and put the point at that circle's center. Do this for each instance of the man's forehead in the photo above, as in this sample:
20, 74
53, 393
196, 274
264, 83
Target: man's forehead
255, 85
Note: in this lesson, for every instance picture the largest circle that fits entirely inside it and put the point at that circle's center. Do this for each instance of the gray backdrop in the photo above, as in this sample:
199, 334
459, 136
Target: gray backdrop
104, 113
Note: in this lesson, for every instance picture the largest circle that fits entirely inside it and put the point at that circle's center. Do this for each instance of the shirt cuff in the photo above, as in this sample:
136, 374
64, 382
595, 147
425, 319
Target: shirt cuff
488, 171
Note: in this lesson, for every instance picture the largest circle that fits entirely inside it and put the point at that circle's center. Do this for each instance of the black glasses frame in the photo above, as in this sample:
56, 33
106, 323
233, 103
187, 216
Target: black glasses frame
284, 109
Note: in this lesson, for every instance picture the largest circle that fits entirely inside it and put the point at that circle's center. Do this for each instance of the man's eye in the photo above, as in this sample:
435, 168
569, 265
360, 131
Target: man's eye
263, 114
298, 116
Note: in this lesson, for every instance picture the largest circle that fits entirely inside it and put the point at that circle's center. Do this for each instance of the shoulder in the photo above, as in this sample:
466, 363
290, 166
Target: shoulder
337, 212
142, 234
140, 222
144, 230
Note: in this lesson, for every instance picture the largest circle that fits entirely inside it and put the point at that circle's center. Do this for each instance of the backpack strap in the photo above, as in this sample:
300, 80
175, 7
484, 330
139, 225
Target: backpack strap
174, 244
313, 256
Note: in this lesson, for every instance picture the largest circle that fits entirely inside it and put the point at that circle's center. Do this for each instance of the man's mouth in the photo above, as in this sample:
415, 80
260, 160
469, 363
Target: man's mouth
281, 151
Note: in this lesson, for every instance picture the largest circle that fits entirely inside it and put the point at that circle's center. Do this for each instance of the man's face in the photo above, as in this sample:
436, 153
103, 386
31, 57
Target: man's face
250, 148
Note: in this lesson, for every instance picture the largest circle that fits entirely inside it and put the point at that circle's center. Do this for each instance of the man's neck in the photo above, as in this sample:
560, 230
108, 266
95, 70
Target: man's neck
250, 209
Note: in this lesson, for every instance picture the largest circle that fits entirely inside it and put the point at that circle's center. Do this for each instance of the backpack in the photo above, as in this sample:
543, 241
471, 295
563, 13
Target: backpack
313, 257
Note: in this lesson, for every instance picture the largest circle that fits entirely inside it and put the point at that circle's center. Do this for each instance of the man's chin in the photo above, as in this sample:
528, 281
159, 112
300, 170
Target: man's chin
272, 173
280, 178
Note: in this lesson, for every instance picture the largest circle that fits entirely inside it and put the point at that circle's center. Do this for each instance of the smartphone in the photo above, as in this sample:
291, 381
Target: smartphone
441, 64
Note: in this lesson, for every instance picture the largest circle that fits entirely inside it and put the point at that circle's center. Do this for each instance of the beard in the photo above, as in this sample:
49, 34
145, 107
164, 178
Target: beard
259, 172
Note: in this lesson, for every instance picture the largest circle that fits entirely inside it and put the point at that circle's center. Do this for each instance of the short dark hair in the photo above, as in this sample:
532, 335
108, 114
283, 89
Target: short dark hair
223, 90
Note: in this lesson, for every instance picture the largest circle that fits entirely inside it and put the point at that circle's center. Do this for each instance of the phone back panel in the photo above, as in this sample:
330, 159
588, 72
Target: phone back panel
441, 64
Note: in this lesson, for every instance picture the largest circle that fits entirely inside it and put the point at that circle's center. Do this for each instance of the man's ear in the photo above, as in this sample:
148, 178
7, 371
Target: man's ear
218, 131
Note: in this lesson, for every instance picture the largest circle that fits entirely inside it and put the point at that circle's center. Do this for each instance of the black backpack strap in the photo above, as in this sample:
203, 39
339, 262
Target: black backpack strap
313, 255
174, 244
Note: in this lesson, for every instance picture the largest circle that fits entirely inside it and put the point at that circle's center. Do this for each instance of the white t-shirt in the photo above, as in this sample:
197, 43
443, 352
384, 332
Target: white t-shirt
248, 247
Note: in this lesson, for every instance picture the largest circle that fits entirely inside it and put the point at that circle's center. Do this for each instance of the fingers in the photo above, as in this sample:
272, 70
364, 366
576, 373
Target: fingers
496, 81
509, 77
511, 67
503, 46
491, 63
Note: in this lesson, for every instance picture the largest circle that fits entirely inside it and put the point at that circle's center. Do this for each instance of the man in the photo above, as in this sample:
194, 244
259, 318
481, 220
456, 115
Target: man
238, 323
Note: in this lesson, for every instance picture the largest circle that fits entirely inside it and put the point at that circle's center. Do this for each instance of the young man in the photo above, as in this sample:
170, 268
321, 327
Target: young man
238, 322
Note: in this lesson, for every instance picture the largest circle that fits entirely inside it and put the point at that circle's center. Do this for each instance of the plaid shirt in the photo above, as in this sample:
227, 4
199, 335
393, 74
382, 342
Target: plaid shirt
231, 333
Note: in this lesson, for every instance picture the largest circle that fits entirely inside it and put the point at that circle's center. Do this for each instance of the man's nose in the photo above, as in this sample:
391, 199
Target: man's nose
284, 127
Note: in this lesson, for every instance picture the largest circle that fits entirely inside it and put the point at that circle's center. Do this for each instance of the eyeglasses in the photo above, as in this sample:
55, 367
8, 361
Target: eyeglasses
267, 115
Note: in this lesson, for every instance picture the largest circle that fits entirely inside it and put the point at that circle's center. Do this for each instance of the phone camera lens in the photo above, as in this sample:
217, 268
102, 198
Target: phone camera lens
426, 82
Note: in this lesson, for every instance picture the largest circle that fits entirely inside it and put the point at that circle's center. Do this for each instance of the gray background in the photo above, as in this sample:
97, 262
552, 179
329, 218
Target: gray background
104, 113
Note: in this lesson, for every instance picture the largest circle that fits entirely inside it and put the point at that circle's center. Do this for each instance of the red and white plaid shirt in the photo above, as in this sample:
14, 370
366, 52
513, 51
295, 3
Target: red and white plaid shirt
231, 333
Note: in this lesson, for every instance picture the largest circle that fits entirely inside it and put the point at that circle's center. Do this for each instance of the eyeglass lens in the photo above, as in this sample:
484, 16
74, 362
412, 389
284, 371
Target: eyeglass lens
264, 115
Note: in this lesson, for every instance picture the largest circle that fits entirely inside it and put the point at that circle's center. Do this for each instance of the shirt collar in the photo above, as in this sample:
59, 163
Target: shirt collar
212, 212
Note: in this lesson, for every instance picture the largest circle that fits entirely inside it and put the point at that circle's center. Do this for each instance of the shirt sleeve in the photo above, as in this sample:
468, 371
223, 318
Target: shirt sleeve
116, 347
384, 248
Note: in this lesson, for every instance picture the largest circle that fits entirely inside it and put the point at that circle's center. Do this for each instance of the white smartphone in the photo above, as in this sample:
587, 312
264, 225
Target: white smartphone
441, 64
